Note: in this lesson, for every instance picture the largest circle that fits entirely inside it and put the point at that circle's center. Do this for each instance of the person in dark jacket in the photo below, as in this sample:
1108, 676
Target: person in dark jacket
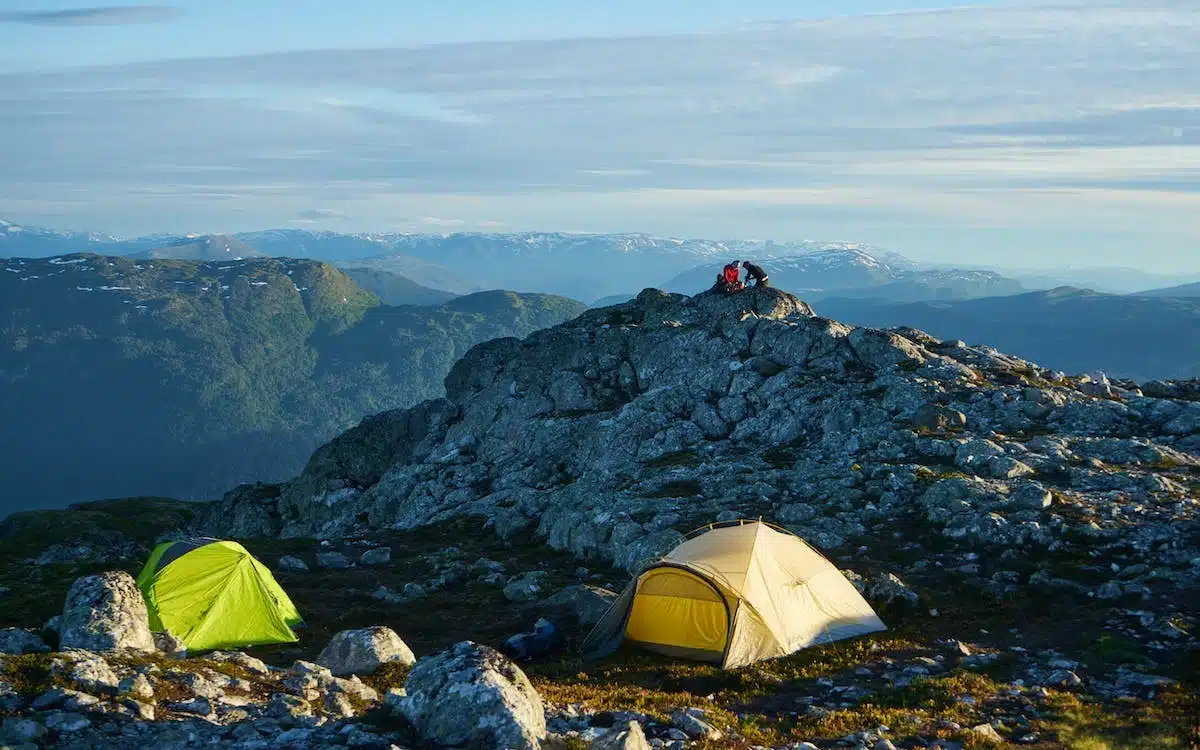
755, 272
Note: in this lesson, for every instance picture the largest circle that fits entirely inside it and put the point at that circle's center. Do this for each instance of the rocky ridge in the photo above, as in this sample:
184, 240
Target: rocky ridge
613, 432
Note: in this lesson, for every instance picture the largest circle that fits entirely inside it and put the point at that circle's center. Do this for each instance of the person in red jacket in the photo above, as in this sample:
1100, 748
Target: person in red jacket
729, 280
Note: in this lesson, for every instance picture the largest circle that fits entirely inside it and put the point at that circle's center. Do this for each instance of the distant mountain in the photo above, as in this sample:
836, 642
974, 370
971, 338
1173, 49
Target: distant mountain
211, 247
857, 273
124, 377
614, 299
1074, 330
1110, 280
423, 272
393, 289
35, 242
1183, 290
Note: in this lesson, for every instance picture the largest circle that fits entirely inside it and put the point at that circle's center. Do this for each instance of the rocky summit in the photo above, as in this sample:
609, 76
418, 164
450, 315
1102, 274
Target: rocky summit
1031, 539
615, 431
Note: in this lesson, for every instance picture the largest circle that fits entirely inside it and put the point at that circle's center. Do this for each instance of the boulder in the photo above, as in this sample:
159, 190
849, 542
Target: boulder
377, 556
288, 562
938, 417
333, 561
526, 587
470, 695
365, 650
587, 604
104, 613
627, 737
18, 641
887, 591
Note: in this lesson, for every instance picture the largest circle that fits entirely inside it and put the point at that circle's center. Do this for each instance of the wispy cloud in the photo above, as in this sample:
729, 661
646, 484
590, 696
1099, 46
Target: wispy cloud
112, 15
847, 127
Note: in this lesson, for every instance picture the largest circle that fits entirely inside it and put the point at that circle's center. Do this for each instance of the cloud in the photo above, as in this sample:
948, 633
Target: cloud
113, 15
846, 127
321, 214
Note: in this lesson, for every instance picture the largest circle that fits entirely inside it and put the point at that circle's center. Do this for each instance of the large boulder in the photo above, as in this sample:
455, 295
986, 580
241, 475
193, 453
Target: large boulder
470, 695
105, 612
364, 650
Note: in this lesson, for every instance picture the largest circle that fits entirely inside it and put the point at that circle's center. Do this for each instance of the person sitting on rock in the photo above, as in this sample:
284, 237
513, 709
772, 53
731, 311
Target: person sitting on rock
756, 273
730, 278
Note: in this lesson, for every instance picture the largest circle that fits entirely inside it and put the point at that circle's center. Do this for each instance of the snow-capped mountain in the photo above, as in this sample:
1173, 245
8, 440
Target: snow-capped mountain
855, 272
582, 266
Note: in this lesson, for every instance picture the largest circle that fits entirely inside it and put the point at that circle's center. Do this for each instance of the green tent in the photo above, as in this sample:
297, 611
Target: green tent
213, 594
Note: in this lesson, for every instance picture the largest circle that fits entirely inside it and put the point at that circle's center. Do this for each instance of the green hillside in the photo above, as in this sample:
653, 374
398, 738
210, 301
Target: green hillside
165, 377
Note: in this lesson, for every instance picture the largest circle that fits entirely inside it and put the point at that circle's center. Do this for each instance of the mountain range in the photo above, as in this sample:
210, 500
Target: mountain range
121, 376
1073, 330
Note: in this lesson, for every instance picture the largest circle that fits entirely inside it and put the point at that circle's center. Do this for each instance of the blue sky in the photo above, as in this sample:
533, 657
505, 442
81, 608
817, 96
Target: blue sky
1019, 134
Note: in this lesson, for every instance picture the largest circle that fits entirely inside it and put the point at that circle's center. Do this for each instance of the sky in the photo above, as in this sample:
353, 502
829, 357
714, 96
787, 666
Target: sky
1017, 134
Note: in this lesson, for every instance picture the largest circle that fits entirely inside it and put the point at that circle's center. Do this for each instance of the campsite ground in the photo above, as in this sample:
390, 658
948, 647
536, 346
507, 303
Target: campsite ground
819, 695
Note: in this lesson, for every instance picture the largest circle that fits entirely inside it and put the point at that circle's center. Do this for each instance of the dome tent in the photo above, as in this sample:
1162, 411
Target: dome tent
734, 594
213, 594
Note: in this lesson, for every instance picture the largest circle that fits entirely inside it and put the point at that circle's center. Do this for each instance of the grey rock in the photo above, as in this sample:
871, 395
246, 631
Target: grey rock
67, 723
288, 562
692, 723
93, 674
333, 561
988, 732
471, 694
586, 603
364, 650
889, 591
169, 644
137, 687
359, 737
199, 706
16, 730
938, 417
104, 613
1032, 495
627, 736
339, 705
526, 587
138, 709
21, 641
377, 556
414, 591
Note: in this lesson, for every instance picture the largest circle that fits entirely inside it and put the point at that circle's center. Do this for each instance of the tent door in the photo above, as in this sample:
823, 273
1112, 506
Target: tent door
678, 613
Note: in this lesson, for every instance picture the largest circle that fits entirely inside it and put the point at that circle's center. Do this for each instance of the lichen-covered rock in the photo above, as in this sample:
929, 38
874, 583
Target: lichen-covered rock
364, 650
94, 675
470, 695
21, 641
104, 613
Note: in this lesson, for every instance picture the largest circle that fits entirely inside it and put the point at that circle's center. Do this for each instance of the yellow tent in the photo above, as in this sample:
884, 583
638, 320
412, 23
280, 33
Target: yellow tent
735, 594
